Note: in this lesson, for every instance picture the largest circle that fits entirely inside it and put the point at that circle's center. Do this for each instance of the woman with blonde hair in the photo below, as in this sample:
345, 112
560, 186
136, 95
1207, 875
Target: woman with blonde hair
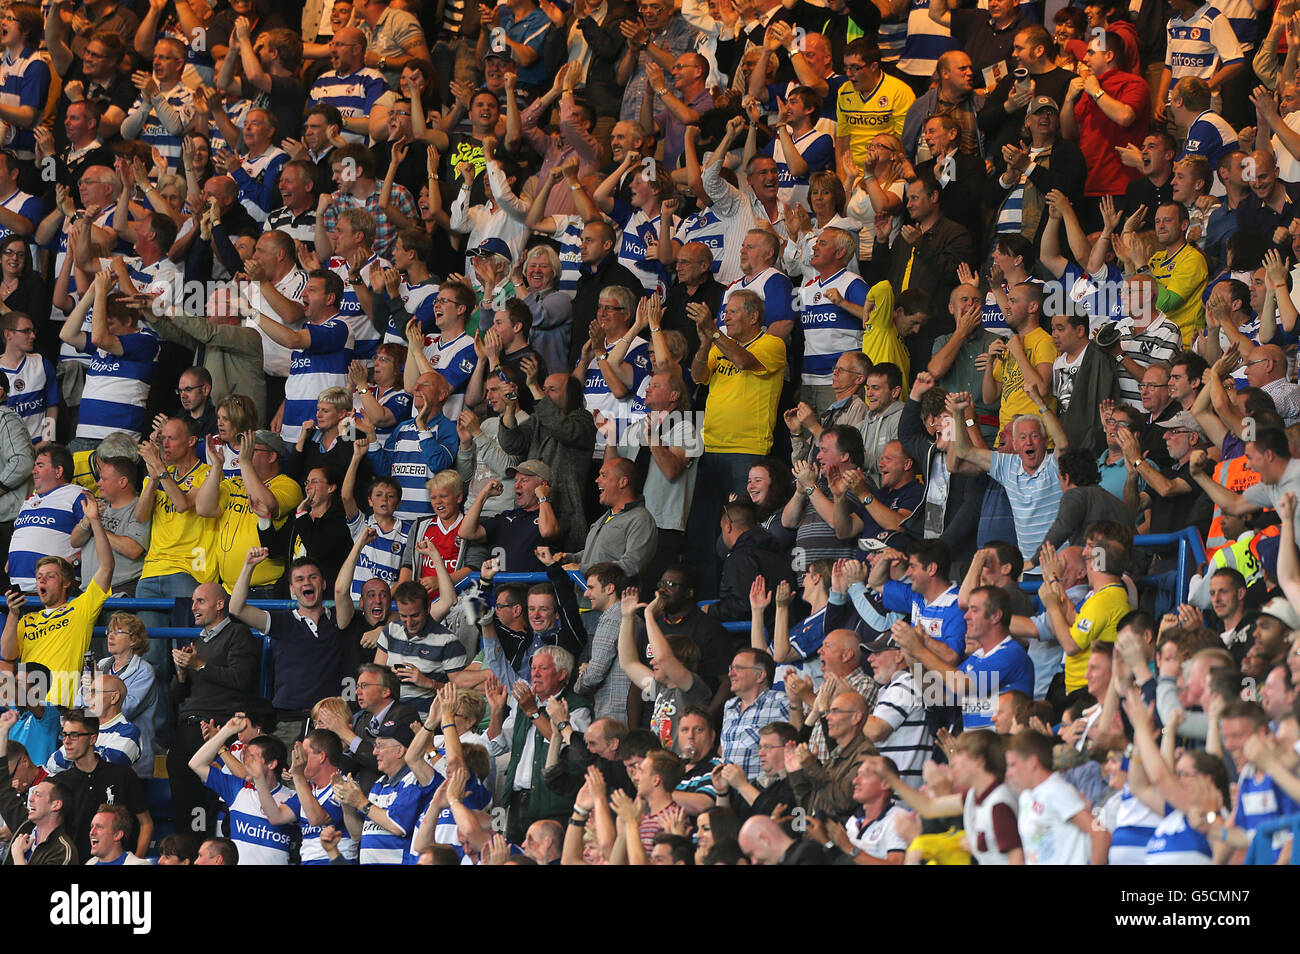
876, 192
827, 201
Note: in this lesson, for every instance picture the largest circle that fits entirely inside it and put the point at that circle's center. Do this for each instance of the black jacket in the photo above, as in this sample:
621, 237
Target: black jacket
934, 268
232, 660
1094, 382
965, 494
1064, 170
962, 199
755, 553
361, 763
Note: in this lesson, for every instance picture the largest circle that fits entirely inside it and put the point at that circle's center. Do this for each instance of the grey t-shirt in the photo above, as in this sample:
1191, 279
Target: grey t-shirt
121, 521
1268, 495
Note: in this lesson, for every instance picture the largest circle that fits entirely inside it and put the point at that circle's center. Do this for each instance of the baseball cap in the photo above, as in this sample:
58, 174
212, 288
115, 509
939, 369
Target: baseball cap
1282, 610
1183, 420
397, 731
492, 246
272, 441
880, 644
532, 468
883, 540
1039, 103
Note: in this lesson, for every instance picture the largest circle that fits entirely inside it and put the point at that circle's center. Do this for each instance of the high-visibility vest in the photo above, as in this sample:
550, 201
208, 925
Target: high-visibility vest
1242, 555
1235, 476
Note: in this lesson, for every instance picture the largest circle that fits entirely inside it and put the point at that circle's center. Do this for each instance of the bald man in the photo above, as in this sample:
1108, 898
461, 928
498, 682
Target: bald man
419, 447
840, 656
625, 533
352, 88
1266, 370
1266, 209
766, 843
216, 676
119, 740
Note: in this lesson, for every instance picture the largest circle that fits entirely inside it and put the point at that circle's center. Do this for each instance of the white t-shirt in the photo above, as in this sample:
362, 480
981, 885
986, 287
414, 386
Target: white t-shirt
1063, 374
1046, 832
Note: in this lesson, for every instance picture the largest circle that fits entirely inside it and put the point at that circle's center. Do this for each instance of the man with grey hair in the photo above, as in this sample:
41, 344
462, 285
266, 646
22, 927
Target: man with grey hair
744, 370
1029, 475
832, 301
542, 711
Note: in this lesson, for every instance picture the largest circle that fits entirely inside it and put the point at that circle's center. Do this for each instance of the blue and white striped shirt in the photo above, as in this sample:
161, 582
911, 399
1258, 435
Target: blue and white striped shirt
412, 458
352, 95
829, 331
380, 558
400, 798
24, 81
118, 742
324, 364
311, 852
117, 387
259, 842
32, 389
44, 528
365, 337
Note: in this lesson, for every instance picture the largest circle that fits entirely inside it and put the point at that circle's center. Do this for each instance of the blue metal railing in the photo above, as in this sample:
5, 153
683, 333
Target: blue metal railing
1189, 545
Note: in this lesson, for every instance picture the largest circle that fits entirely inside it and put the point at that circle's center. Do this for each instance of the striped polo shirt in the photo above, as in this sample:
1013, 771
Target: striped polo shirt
1035, 498
436, 651
911, 742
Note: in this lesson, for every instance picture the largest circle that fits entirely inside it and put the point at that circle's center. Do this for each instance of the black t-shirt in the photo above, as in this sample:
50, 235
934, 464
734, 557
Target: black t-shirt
118, 91
517, 535
1172, 514
109, 784
287, 100
715, 644
413, 173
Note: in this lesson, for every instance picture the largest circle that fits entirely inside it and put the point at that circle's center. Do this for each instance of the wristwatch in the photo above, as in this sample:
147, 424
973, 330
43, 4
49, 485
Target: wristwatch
1098, 95
561, 726
383, 64
535, 716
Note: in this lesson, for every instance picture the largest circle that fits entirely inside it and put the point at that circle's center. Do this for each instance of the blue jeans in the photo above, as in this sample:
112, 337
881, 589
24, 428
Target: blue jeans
159, 653
720, 476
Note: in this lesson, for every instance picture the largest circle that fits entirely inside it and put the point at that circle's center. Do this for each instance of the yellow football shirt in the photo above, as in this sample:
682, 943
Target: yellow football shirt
181, 542
1097, 622
880, 341
1182, 272
237, 528
859, 119
58, 639
741, 410
1039, 348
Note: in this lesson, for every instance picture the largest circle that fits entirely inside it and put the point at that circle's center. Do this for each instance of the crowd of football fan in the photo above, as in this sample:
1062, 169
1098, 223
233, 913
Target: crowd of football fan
582, 433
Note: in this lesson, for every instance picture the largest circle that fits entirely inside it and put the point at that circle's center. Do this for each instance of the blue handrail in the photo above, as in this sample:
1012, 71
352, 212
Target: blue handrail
1186, 540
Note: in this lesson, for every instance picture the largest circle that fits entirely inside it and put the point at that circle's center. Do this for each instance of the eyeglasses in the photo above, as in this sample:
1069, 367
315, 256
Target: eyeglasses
76, 735
669, 584
600, 308
1148, 386
189, 390
24, 331
1257, 361
369, 685
735, 668
12, 253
